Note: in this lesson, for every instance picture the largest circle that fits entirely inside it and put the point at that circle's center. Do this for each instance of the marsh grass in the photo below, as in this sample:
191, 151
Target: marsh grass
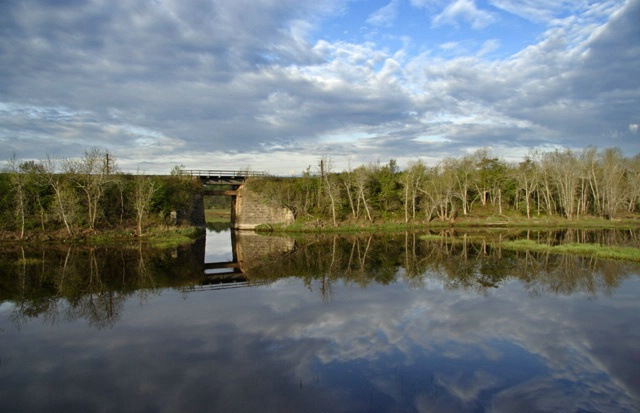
157, 236
173, 237
323, 227
28, 261
217, 215
491, 222
592, 250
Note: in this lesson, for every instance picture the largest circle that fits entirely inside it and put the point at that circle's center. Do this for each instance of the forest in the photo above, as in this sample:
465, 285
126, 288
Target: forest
65, 198
561, 183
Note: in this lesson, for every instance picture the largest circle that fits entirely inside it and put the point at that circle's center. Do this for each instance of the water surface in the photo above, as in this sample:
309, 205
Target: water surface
358, 324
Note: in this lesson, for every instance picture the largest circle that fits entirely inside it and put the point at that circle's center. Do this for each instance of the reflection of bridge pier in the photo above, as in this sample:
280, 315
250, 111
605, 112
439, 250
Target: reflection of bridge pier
249, 250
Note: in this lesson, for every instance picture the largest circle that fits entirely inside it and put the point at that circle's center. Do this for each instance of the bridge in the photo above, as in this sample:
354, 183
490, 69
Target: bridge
248, 209
223, 177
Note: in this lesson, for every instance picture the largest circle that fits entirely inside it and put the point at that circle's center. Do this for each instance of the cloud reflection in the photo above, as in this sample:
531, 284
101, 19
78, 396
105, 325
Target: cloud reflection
381, 348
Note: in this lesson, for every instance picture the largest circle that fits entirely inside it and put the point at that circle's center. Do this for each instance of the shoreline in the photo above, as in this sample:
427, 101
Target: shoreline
153, 237
179, 235
492, 222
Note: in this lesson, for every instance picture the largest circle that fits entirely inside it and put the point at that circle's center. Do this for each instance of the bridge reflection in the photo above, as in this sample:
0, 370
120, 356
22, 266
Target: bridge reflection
249, 249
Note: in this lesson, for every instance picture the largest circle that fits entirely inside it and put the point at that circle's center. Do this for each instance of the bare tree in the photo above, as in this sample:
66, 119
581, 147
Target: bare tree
613, 174
633, 183
545, 188
564, 171
90, 174
462, 170
332, 188
526, 177
591, 177
144, 188
348, 184
413, 178
64, 202
439, 188
361, 176
19, 184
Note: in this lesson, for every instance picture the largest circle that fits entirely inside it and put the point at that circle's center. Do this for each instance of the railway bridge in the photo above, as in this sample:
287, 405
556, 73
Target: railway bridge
248, 209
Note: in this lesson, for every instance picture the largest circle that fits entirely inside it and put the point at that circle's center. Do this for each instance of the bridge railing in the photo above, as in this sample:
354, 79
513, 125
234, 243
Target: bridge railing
211, 173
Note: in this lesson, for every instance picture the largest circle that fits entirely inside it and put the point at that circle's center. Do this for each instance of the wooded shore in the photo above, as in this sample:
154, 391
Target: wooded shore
90, 198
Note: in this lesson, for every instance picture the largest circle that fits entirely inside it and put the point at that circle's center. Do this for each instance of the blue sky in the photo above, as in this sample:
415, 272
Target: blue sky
276, 84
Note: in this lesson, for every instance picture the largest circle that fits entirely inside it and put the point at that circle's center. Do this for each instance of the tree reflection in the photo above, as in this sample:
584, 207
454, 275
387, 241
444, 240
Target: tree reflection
473, 262
91, 283
67, 283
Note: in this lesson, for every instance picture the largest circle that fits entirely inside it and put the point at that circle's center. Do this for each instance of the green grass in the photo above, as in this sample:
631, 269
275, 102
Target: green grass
328, 227
213, 215
173, 237
29, 261
157, 236
472, 221
593, 250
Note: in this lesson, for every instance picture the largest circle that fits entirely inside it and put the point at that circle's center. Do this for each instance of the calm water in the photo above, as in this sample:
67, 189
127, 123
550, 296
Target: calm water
358, 324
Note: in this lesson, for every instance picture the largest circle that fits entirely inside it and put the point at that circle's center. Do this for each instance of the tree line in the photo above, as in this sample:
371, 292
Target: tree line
572, 184
86, 194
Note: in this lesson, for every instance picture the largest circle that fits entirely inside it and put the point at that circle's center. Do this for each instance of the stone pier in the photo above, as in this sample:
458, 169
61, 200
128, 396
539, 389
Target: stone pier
250, 210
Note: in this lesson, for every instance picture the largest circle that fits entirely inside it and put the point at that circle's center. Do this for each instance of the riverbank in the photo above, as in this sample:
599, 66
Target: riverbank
630, 221
167, 236
159, 236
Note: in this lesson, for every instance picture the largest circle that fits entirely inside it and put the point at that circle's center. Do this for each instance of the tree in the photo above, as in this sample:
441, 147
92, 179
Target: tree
633, 182
90, 174
592, 176
462, 170
37, 191
613, 175
491, 176
565, 174
144, 188
361, 177
332, 189
483, 181
439, 189
526, 178
65, 202
413, 178
384, 186
19, 186
348, 184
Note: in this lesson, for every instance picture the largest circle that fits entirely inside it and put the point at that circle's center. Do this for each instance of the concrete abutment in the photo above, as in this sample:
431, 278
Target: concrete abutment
248, 210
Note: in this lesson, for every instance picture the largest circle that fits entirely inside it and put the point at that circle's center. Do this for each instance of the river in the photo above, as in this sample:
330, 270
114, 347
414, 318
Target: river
358, 323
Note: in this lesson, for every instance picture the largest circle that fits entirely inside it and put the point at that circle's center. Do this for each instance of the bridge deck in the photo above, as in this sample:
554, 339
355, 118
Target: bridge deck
222, 177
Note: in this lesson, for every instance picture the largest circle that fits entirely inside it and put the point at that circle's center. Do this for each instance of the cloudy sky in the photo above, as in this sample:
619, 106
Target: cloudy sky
276, 84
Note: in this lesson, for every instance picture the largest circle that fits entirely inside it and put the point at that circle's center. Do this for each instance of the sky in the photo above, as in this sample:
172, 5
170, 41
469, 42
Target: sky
275, 85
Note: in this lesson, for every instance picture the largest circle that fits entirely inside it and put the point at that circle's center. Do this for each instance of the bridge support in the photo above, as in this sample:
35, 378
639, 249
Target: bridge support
249, 210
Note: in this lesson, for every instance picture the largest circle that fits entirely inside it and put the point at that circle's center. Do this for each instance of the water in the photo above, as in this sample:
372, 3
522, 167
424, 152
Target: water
362, 324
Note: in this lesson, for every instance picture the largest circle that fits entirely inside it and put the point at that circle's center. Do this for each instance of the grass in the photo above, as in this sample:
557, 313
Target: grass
173, 236
214, 215
29, 261
487, 222
341, 228
515, 221
593, 250
156, 236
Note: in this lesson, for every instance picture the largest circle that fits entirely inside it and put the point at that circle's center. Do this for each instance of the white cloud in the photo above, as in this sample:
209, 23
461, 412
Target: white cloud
536, 10
464, 10
228, 78
386, 15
